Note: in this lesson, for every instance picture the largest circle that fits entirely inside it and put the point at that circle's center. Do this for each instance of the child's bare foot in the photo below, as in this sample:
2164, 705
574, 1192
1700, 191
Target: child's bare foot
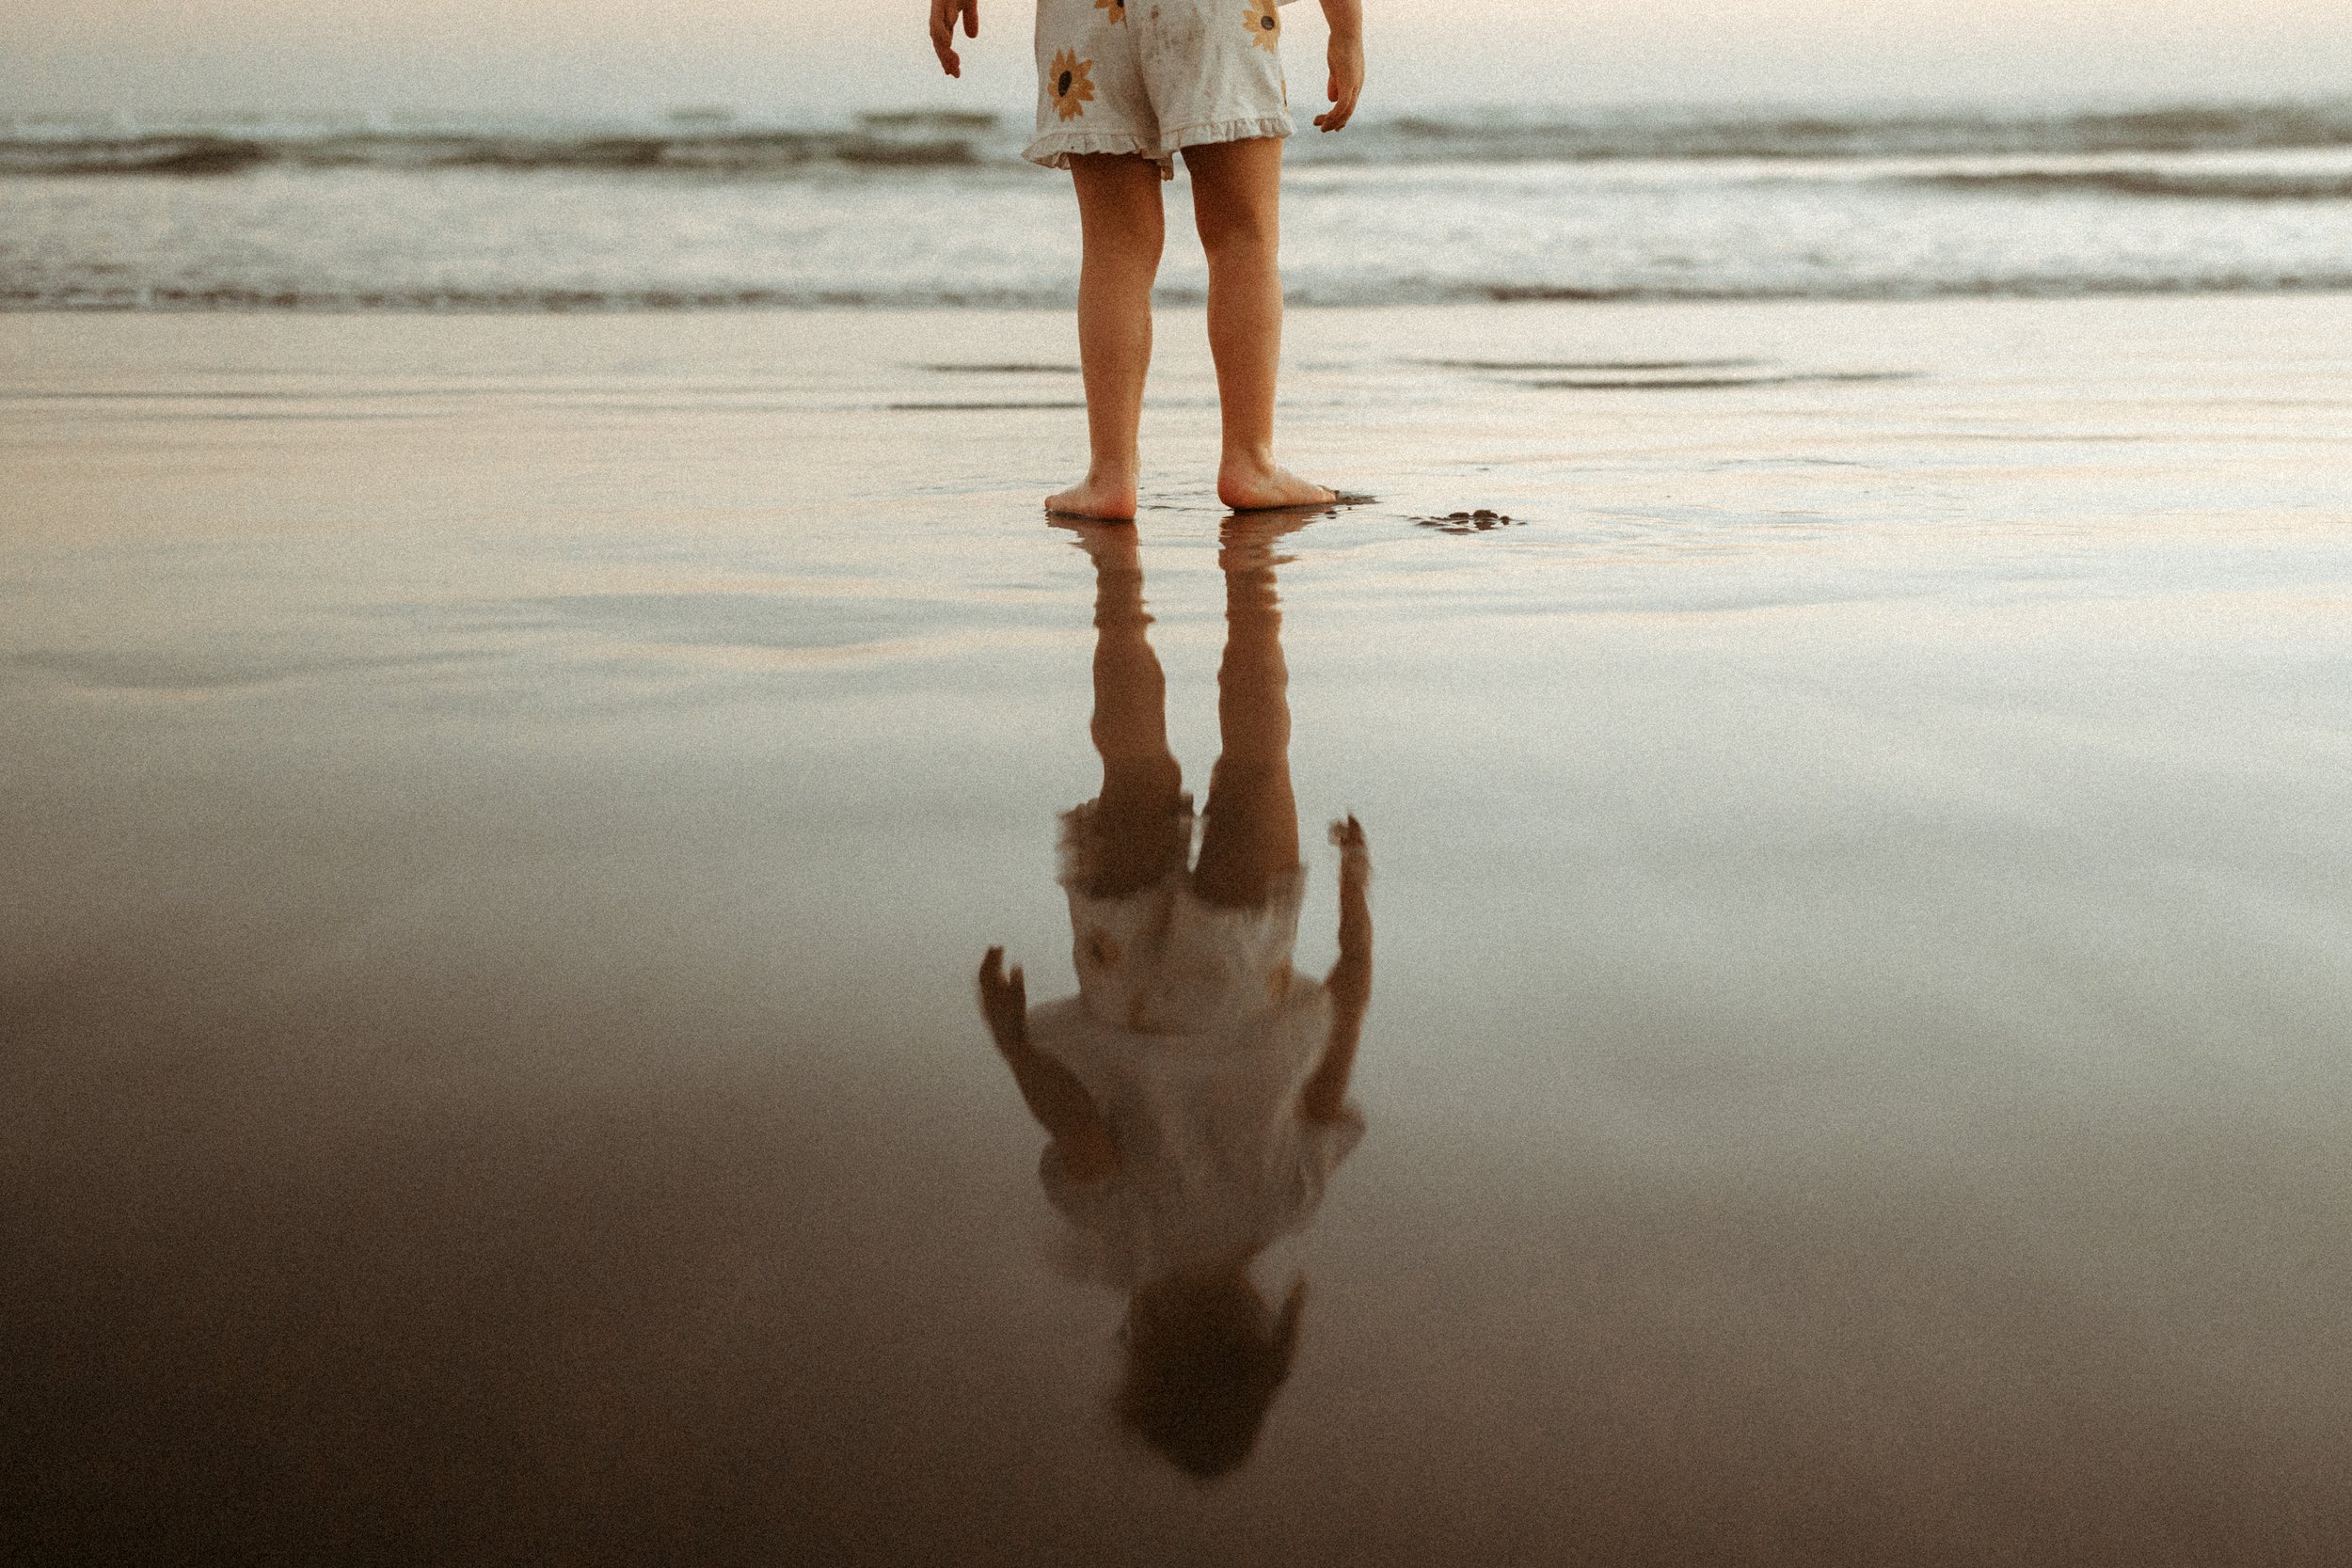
1253, 484
1109, 501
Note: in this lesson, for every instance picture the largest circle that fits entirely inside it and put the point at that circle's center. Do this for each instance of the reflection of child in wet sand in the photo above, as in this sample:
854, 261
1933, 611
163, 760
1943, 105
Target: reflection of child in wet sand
1122, 89
1195, 1087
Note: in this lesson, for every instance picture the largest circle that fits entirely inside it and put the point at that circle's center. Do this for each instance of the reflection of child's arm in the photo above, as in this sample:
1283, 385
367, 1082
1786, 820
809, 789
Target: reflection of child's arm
1350, 980
1052, 1091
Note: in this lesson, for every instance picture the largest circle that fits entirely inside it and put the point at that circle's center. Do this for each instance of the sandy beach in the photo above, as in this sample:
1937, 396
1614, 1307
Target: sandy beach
504, 812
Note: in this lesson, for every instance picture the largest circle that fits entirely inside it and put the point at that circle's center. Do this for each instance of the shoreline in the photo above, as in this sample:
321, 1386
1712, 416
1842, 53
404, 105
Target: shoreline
1506, 296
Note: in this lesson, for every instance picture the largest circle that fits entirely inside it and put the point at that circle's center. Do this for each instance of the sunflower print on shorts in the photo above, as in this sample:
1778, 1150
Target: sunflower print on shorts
1265, 25
1117, 7
1070, 84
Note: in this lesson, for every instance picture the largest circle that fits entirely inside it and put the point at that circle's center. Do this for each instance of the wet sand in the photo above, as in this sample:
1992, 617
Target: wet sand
504, 814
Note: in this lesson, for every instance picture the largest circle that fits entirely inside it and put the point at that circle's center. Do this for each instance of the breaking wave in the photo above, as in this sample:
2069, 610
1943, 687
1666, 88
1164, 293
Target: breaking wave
1681, 135
2186, 183
876, 141
713, 145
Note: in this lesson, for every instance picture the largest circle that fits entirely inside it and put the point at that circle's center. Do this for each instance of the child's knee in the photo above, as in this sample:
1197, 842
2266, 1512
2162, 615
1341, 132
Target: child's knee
1236, 231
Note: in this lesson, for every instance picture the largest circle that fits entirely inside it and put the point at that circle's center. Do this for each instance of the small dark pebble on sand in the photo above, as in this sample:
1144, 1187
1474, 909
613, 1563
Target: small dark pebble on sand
1479, 521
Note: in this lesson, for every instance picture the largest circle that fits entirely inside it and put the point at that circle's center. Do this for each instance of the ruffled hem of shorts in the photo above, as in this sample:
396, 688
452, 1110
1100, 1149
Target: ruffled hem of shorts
1224, 130
1054, 148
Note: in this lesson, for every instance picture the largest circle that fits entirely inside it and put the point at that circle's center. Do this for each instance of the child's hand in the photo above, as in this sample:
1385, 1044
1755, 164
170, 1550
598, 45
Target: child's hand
943, 14
1347, 62
1004, 1001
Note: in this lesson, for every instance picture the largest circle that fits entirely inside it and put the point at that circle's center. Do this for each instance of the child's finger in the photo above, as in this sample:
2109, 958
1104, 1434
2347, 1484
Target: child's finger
1344, 105
943, 13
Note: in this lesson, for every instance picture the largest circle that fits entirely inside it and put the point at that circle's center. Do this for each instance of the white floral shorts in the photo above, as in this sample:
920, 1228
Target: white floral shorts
1149, 77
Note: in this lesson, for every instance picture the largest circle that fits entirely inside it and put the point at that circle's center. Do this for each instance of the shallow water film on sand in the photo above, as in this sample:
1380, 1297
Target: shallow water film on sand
508, 817
708, 212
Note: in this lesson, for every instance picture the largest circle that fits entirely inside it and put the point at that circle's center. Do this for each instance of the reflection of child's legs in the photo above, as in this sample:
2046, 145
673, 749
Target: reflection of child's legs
1138, 829
1252, 833
1120, 212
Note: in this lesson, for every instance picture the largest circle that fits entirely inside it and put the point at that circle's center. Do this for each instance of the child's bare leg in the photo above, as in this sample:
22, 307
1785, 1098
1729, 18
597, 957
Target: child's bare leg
1120, 214
1236, 201
1251, 833
1138, 827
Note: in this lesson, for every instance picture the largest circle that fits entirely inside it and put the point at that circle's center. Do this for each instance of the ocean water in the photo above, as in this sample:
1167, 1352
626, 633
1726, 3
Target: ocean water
925, 210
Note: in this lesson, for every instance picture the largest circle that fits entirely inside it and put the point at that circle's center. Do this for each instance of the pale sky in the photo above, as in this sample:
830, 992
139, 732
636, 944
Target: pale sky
801, 60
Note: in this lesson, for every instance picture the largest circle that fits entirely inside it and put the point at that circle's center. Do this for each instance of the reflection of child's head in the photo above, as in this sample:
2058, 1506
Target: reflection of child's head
1205, 1358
